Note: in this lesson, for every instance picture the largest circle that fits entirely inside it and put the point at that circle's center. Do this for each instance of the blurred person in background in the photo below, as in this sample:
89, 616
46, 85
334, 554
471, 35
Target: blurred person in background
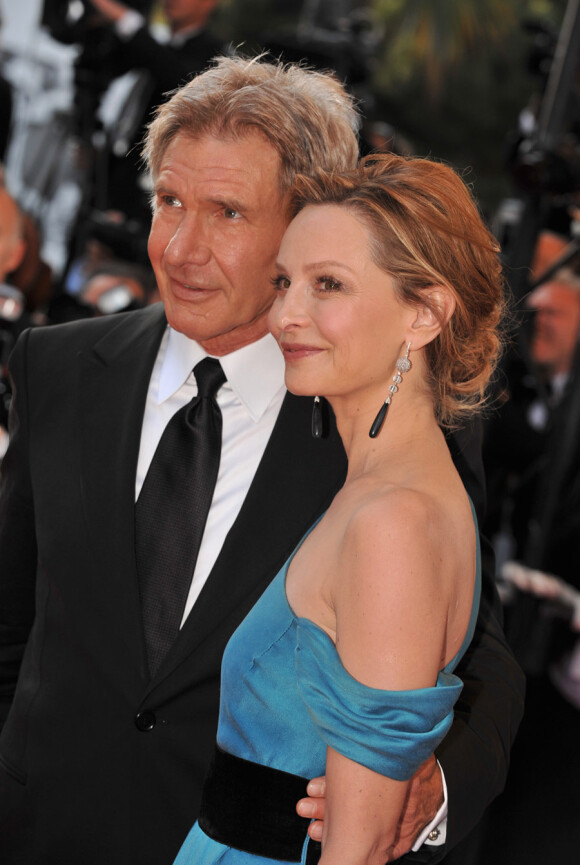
12, 301
127, 64
556, 308
521, 435
151, 70
6, 106
12, 243
5, 115
532, 462
117, 287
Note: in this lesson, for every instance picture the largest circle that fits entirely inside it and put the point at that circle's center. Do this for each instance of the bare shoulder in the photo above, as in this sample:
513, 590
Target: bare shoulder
395, 549
404, 545
395, 519
392, 592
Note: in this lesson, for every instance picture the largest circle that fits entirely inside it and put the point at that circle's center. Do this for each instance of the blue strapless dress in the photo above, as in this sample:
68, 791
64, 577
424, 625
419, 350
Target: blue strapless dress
285, 696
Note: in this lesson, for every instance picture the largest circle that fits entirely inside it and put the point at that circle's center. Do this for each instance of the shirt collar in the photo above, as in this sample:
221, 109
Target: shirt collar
162, 32
180, 38
255, 373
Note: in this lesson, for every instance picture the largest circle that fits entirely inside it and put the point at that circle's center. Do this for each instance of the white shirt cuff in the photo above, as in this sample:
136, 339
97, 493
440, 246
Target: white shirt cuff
438, 825
128, 24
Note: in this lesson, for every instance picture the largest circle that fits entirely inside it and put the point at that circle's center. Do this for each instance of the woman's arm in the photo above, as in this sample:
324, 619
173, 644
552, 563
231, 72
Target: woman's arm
393, 632
363, 825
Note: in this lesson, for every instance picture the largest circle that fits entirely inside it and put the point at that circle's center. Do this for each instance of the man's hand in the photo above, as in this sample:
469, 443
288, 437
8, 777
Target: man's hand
424, 799
313, 807
110, 9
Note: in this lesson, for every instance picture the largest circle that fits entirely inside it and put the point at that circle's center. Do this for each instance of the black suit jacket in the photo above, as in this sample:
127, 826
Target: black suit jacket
98, 764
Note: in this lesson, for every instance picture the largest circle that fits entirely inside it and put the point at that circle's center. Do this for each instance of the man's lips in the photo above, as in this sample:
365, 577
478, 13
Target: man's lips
189, 291
296, 351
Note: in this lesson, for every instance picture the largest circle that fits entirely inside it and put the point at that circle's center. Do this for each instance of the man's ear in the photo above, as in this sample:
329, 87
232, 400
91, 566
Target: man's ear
431, 316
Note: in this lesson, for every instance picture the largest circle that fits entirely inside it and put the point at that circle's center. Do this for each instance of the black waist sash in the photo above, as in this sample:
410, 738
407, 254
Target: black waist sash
253, 808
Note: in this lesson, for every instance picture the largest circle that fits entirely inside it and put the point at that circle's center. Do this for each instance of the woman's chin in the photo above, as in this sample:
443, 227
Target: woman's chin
298, 387
298, 391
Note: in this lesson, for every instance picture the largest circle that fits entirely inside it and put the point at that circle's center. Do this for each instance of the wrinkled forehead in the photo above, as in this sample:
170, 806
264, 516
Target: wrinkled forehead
248, 164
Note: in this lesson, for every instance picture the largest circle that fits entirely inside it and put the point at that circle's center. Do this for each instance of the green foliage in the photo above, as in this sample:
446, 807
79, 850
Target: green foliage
243, 22
450, 75
453, 77
432, 37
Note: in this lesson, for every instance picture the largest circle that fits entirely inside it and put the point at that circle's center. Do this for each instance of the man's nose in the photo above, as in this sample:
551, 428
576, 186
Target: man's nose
189, 243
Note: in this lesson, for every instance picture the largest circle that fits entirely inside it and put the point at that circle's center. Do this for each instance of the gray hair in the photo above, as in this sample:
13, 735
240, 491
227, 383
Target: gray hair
307, 116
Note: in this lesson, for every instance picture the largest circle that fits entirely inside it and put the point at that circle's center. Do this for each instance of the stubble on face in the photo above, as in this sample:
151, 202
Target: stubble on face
218, 220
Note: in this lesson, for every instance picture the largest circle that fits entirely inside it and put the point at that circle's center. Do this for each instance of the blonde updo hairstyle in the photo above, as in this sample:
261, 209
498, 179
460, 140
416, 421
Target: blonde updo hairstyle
426, 231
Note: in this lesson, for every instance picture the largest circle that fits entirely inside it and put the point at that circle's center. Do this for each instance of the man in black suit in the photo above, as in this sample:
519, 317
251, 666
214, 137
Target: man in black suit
6, 115
100, 761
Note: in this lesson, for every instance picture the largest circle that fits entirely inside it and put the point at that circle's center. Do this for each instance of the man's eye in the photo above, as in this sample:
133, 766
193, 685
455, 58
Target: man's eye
230, 213
170, 200
280, 282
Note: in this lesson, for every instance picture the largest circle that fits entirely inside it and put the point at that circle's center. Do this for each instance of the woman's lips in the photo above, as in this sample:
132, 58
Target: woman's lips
297, 351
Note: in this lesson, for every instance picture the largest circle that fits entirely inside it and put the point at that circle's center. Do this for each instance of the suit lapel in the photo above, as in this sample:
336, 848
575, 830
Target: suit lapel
114, 377
295, 482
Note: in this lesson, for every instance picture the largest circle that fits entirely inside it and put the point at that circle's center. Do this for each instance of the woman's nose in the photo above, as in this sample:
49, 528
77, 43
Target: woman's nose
289, 308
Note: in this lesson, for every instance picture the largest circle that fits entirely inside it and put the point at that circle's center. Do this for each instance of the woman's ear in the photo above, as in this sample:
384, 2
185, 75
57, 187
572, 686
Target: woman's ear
431, 316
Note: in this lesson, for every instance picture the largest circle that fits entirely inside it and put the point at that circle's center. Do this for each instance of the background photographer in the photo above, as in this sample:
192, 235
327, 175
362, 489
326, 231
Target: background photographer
519, 436
122, 73
532, 462
11, 300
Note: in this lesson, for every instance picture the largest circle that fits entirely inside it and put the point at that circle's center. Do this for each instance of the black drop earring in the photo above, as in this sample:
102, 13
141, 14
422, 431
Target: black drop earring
317, 420
403, 364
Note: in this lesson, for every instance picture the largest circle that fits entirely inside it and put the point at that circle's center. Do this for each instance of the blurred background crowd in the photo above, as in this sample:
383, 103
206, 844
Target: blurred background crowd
491, 86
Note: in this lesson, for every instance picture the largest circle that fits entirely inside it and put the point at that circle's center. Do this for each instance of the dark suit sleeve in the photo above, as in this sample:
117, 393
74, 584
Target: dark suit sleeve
18, 552
168, 65
475, 753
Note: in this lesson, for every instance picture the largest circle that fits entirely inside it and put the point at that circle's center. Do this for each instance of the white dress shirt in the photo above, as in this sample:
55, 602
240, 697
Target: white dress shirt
250, 401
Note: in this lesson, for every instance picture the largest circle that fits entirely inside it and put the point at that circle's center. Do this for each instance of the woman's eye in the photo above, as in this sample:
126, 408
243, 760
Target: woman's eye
327, 283
280, 282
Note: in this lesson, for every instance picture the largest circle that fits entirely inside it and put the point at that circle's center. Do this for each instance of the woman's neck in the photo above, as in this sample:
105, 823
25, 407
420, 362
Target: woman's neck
409, 428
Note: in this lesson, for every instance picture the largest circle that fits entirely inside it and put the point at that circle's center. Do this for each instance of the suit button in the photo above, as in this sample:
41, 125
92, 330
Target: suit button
145, 721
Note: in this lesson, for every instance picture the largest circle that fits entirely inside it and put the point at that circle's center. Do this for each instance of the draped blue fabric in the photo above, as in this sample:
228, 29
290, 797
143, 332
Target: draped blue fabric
392, 732
285, 696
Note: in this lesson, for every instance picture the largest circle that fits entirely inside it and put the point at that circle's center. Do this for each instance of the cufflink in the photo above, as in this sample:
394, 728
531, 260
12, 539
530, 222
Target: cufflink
433, 835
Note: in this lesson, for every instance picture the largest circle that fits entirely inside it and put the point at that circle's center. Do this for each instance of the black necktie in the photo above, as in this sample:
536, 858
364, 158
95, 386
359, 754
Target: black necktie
172, 508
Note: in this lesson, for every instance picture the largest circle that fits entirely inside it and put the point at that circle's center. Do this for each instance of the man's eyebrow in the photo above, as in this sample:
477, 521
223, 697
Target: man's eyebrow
161, 186
231, 202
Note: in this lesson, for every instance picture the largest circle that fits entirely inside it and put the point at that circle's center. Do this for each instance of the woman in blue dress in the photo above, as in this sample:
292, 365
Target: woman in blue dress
388, 301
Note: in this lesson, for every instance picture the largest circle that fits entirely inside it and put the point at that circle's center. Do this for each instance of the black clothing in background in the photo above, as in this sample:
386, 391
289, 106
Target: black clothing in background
5, 115
162, 69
